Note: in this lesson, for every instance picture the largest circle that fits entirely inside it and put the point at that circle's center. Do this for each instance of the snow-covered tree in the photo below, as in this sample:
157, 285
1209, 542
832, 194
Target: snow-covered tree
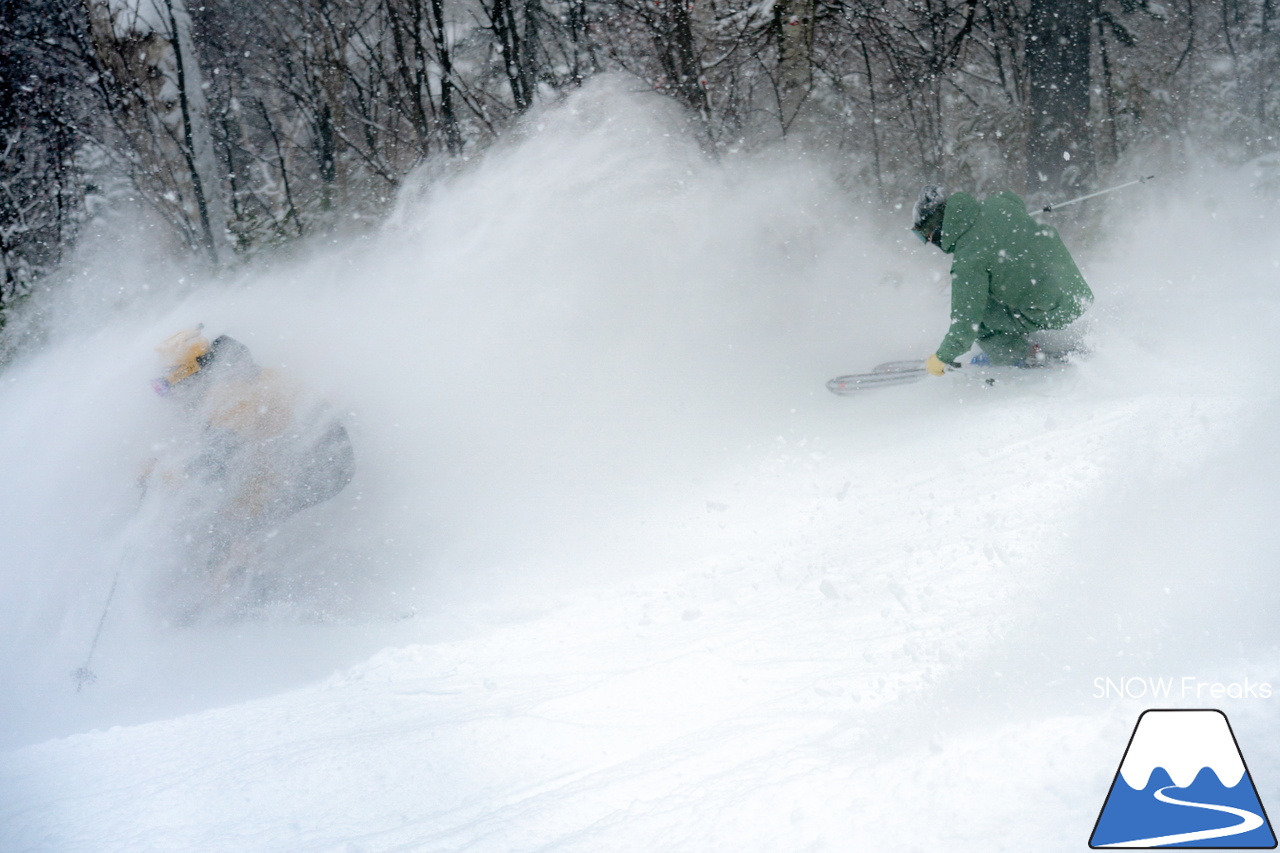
44, 122
250, 124
152, 86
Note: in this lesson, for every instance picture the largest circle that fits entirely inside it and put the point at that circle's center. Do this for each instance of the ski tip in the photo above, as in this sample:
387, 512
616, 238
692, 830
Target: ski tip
858, 383
910, 366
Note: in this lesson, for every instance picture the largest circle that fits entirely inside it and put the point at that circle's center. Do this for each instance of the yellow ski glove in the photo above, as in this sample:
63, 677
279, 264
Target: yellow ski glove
934, 365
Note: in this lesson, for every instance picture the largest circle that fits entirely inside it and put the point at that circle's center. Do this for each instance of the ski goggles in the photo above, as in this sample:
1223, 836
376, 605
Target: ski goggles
162, 385
922, 236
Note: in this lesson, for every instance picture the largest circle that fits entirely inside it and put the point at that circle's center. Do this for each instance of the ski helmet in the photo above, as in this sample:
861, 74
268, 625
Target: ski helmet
183, 355
930, 207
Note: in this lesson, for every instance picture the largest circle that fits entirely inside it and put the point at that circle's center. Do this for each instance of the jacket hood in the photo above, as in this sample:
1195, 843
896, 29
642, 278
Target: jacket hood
962, 214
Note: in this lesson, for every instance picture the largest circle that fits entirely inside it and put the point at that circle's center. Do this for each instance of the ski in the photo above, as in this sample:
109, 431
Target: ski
906, 372
881, 376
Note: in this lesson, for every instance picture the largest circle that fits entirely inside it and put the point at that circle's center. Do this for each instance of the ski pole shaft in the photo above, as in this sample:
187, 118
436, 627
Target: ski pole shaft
84, 675
1048, 208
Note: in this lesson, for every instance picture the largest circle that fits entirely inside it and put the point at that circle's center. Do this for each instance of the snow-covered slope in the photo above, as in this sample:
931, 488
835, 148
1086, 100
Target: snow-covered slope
616, 572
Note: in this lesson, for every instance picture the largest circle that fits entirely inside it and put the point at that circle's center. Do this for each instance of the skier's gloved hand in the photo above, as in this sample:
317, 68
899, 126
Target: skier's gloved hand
935, 365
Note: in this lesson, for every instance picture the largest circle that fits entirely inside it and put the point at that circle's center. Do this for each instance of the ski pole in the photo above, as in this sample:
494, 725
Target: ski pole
84, 675
1049, 208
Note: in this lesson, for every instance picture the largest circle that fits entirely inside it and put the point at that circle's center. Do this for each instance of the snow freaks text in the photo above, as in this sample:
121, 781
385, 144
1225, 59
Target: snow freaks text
1186, 687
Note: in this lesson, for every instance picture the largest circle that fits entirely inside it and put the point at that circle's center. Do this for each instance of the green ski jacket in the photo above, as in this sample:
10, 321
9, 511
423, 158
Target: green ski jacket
1005, 257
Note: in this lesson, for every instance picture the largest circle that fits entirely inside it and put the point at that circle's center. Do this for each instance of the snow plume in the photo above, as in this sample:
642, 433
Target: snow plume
532, 358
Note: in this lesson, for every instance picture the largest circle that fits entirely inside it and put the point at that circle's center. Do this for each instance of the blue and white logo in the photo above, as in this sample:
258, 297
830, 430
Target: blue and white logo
1183, 783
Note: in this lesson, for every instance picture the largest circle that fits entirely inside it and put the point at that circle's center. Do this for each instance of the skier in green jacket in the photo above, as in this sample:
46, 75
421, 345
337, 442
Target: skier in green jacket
1010, 277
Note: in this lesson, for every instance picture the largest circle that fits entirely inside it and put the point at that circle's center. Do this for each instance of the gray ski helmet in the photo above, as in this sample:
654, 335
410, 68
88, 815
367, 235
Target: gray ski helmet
926, 215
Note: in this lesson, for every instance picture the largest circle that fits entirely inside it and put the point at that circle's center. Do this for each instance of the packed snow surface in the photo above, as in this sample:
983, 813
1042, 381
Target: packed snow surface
616, 572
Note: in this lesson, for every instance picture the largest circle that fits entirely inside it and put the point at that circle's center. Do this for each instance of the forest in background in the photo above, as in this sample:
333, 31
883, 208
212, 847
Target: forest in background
249, 124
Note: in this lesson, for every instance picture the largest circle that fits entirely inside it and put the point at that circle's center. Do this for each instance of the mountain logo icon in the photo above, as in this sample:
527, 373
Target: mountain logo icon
1183, 783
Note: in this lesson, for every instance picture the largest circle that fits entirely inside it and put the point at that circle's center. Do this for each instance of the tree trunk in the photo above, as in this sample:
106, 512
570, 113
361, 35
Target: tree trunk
1267, 59
413, 71
528, 65
682, 57
579, 67
197, 140
332, 119
503, 20
1059, 142
795, 56
452, 134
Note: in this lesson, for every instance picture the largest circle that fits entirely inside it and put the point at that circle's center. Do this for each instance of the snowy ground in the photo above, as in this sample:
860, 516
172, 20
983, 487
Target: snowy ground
629, 578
